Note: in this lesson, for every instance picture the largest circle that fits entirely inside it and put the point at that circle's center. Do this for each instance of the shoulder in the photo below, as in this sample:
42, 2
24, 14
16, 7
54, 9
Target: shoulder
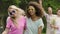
55, 15
8, 18
40, 18
22, 17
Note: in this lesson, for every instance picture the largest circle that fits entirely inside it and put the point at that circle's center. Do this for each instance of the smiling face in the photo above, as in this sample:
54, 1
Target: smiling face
31, 10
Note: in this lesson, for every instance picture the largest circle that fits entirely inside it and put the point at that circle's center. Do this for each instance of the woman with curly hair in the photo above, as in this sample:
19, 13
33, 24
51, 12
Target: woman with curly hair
34, 20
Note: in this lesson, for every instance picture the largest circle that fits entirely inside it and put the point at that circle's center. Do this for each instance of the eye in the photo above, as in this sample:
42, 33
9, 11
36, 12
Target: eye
31, 9
28, 9
13, 11
10, 13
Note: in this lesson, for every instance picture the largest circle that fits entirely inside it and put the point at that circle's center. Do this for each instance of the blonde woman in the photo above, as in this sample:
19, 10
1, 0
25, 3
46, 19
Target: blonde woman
15, 21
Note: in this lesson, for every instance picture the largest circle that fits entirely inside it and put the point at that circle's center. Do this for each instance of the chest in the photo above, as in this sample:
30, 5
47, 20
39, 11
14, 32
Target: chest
33, 24
57, 21
49, 17
20, 24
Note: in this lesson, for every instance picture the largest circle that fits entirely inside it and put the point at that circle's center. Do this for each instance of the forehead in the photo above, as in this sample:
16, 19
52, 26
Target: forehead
49, 8
31, 7
58, 10
11, 9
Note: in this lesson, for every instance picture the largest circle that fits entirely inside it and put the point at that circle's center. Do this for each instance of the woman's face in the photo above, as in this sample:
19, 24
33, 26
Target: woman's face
58, 12
12, 12
31, 10
49, 10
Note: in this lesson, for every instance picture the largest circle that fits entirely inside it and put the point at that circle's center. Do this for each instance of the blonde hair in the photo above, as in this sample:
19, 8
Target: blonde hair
20, 11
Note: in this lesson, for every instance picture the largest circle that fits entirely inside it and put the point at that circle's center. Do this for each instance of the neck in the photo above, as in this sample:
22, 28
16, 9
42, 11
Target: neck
34, 17
50, 14
16, 17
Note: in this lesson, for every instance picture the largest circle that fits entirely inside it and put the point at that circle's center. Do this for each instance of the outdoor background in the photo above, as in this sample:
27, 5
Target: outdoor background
22, 4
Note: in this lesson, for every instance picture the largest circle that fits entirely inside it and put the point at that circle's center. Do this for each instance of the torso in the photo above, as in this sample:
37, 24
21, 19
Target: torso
48, 19
32, 26
14, 29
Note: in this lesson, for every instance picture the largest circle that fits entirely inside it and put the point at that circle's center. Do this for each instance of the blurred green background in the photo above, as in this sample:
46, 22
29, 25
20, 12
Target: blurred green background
4, 4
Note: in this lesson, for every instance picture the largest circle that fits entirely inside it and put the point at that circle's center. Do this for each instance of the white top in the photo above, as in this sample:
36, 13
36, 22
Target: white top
57, 24
32, 26
48, 18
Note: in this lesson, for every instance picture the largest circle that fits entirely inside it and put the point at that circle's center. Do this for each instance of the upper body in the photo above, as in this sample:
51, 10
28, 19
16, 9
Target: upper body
13, 29
15, 21
34, 20
55, 23
32, 26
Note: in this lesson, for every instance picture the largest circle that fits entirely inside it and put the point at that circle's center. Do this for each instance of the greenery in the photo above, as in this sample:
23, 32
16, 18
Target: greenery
4, 4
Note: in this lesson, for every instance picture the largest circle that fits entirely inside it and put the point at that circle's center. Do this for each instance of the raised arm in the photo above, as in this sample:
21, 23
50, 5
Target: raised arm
41, 8
39, 5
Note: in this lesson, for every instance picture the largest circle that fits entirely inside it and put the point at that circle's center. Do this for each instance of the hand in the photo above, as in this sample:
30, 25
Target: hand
4, 32
34, 3
56, 27
40, 2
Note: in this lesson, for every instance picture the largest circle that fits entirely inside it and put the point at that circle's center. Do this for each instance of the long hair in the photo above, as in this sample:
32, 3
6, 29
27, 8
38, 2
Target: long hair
38, 11
19, 10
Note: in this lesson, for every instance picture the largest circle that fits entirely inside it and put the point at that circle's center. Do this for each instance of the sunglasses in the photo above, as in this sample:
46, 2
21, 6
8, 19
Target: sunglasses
11, 13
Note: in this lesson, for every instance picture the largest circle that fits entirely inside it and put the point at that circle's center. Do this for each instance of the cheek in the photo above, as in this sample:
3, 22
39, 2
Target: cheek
34, 12
58, 13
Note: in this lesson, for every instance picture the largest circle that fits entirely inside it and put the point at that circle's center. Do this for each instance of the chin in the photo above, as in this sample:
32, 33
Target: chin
31, 14
12, 17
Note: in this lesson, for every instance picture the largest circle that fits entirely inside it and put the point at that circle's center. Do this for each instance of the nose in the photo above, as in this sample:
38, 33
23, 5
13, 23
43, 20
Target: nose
30, 10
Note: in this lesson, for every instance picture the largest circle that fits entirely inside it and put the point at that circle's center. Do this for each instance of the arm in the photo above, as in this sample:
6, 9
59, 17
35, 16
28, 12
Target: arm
40, 27
6, 31
41, 8
7, 26
52, 24
40, 30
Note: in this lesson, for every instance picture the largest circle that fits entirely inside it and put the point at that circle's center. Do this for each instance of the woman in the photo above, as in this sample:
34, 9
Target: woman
15, 21
34, 20
48, 16
55, 23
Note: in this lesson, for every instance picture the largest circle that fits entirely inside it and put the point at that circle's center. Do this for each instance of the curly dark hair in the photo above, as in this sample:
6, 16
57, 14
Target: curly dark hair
38, 11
